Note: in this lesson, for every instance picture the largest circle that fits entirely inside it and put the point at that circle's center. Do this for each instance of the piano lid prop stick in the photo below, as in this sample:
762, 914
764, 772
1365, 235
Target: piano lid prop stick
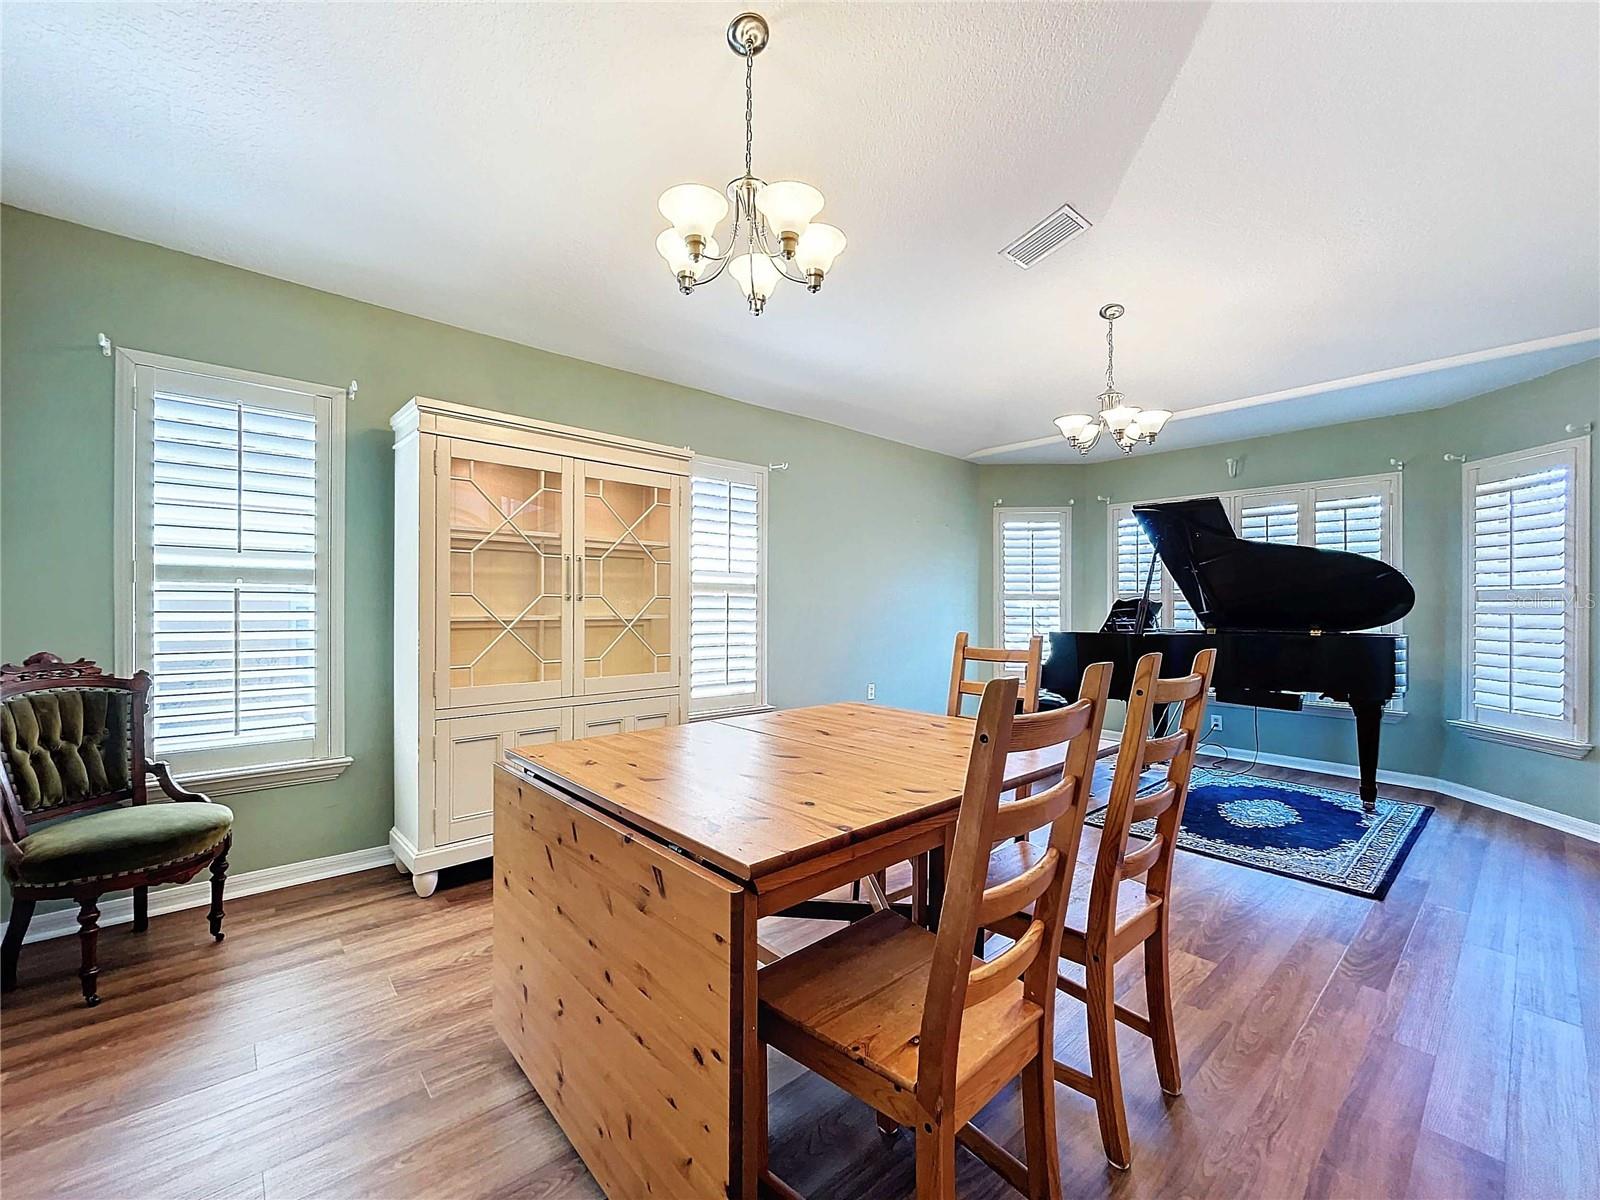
1144, 601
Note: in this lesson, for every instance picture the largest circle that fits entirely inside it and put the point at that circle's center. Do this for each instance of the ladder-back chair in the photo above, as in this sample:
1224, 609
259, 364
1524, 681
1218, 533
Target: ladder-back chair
908, 1020
1030, 660
1113, 931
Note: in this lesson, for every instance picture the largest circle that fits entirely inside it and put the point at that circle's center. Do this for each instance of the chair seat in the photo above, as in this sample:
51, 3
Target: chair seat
118, 841
859, 992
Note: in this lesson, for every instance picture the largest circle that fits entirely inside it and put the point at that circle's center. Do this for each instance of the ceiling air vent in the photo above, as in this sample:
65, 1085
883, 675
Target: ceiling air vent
1045, 238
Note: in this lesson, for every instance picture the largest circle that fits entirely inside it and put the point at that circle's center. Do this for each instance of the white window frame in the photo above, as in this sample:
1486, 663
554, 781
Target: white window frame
997, 611
1305, 496
733, 472
1570, 739
205, 770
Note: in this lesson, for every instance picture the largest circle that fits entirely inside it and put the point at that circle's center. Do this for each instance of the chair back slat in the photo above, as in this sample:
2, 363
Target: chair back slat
1030, 660
1137, 862
1019, 817
1005, 968
1114, 862
1153, 804
1162, 749
1180, 690
955, 982
1021, 890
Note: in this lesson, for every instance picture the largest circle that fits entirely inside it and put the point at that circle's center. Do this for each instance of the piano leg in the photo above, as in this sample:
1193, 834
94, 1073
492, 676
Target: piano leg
1369, 721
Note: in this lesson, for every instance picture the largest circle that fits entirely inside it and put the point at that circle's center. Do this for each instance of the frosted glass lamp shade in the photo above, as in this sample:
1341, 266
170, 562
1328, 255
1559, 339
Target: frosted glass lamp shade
1073, 424
819, 245
788, 206
1086, 437
1118, 415
694, 209
676, 251
1151, 421
755, 275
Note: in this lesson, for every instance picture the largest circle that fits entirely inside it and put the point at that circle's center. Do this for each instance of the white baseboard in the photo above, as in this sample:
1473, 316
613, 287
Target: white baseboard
197, 894
1589, 831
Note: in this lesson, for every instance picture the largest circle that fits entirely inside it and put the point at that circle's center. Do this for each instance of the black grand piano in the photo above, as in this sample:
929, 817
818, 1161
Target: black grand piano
1282, 618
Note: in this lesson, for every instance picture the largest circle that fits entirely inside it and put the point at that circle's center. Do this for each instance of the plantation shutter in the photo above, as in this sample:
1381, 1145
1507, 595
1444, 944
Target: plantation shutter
1271, 518
1522, 579
1358, 518
726, 594
232, 566
1032, 569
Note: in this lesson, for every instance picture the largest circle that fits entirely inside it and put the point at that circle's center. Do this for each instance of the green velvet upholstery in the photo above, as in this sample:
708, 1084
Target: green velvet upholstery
117, 841
62, 746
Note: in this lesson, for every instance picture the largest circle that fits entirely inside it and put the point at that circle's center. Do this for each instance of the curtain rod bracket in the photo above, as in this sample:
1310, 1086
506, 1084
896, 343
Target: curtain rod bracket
105, 345
350, 392
1585, 427
1460, 458
778, 466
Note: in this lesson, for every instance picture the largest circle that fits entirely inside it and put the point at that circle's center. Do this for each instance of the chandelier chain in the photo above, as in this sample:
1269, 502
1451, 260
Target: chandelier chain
1110, 384
749, 107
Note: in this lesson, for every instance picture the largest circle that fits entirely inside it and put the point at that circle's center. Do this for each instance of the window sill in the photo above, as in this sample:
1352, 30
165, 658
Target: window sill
1523, 740
232, 781
1328, 708
718, 714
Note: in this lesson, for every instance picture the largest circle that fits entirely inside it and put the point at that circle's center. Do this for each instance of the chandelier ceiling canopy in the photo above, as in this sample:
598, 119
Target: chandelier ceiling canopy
1126, 424
775, 234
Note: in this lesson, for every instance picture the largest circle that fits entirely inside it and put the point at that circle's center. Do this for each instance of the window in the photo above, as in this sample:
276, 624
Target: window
1525, 540
1031, 574
231, 520
1359, 516
727, 578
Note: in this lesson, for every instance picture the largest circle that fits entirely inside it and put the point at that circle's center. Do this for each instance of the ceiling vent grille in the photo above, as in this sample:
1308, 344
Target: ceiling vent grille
1045, 238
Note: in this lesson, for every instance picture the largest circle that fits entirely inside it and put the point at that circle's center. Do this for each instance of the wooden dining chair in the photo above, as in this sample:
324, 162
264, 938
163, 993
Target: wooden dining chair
1114, 928
908, 1020
1030, 660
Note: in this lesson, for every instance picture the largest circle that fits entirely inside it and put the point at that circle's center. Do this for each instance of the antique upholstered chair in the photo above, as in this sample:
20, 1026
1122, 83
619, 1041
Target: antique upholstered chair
73, 814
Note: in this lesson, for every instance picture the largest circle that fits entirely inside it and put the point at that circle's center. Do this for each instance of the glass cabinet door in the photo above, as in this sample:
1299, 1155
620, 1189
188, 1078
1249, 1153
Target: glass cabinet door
507, 572
627, 608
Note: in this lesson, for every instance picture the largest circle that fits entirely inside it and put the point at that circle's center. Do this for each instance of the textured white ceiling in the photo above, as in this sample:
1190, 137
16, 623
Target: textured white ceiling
1282, 195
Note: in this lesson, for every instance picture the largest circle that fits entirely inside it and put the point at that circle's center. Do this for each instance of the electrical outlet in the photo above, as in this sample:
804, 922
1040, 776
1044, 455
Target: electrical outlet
872, 691
1216, 723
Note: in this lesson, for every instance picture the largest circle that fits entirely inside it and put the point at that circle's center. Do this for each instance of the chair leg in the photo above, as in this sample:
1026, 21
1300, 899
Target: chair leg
141, 909
21, 914
936, 1160
219, 876
1158, 995
1101, 1004
88, 941
1039, 1122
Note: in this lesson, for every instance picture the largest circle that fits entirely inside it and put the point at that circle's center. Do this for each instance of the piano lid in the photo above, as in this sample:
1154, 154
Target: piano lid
1232, 583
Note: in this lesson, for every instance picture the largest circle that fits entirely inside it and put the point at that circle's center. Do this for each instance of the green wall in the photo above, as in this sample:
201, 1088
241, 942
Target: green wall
1529, 414
874, 546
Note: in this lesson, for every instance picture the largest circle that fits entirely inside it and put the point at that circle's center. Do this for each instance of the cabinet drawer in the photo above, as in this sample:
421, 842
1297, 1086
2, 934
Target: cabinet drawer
625, 716
467, 749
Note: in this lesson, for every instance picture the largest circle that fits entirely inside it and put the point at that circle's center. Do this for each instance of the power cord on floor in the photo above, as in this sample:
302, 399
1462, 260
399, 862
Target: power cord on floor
1210, 774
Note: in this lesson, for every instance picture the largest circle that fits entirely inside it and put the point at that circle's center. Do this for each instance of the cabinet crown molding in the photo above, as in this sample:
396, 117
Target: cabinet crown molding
441, 416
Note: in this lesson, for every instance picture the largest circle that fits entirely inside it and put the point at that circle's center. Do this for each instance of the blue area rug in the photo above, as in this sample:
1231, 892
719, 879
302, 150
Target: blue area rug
1292, 829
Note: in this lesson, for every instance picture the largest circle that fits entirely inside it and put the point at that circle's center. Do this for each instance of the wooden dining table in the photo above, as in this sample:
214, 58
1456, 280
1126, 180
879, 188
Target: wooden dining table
630, 872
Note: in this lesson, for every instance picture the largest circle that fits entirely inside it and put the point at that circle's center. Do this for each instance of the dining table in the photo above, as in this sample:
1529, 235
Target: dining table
630, 873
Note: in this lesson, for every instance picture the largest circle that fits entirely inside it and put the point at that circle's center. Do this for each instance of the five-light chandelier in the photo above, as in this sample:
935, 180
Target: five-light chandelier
774, 233
1127, 424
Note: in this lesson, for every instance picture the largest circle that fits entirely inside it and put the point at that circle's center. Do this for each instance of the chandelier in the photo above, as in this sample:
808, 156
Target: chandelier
1127, 424
774, 235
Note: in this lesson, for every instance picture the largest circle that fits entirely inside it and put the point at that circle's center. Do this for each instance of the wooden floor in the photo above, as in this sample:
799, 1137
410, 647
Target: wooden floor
1442, 1044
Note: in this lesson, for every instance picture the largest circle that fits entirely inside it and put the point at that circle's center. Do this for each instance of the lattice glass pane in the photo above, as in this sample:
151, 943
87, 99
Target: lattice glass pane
627, 579
505, 574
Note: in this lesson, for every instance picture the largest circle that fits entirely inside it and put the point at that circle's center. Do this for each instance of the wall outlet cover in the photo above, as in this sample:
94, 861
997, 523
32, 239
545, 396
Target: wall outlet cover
872, 691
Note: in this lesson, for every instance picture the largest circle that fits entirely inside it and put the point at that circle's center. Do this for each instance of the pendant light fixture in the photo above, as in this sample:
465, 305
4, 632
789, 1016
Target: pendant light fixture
1127, 424
775, 233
